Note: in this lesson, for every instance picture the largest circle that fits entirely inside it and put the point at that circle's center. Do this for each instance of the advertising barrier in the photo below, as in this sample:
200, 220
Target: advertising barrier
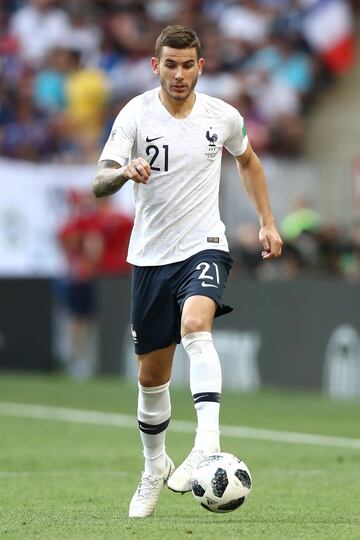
296, 335
302, 335
26, 324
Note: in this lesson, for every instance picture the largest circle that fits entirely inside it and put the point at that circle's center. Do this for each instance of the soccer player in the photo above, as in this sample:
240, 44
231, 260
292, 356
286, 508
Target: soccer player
169, 142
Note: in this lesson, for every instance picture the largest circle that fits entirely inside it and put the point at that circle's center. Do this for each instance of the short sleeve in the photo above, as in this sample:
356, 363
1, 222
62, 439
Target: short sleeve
122, 137
237, 140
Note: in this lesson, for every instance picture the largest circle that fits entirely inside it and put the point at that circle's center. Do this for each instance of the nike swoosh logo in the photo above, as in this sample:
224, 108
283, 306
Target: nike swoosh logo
154, 139
203, 284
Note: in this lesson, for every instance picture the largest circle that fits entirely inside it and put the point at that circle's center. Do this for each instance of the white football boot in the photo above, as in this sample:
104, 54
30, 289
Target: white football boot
180, 480
147, 493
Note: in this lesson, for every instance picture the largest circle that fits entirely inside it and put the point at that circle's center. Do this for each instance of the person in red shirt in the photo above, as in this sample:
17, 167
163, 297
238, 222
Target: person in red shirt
82, 251
113, 229
94, 241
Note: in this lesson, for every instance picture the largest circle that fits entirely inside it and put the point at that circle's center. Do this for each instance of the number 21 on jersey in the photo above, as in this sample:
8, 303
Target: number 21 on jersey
157, 155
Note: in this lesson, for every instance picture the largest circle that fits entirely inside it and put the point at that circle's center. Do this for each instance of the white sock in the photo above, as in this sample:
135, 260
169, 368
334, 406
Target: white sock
205, 385
154, 411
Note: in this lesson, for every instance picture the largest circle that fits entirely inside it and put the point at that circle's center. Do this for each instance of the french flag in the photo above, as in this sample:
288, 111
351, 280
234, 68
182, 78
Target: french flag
329, 30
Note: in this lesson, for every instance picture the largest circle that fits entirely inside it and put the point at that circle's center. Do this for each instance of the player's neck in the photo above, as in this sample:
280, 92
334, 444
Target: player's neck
178, 109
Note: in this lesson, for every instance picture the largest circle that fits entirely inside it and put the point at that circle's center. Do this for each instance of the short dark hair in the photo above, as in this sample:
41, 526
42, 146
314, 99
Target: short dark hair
177, 37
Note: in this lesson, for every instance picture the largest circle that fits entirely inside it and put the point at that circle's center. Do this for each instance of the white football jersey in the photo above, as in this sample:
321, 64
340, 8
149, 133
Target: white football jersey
177, 211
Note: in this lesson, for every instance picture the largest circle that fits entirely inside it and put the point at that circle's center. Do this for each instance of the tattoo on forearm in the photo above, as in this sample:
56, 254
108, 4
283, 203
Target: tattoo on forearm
108, 181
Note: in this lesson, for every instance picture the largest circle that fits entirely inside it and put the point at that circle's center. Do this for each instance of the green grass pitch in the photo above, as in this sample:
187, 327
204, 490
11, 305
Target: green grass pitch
67, 480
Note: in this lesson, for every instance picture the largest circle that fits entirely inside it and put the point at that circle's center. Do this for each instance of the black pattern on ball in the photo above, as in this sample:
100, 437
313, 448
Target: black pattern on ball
198, 490
219, 482
232, 505
206, 507
243, 477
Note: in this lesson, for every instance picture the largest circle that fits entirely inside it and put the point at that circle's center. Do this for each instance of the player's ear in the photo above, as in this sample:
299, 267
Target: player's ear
155, 65
201, 63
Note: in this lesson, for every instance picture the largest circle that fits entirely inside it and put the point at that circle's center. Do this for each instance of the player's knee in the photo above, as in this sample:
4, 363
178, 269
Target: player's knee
194, 323
153, 378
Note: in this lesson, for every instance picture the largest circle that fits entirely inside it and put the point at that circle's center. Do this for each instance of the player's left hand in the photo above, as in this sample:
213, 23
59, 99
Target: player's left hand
271, 242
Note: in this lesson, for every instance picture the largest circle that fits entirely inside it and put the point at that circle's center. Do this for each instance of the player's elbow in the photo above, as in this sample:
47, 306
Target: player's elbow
96, 188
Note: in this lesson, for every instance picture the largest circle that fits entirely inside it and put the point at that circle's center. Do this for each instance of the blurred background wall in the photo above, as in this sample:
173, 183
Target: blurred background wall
291, 68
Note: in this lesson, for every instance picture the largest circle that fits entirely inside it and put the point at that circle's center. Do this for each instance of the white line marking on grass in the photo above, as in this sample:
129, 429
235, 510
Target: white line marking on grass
55, 473
121, 420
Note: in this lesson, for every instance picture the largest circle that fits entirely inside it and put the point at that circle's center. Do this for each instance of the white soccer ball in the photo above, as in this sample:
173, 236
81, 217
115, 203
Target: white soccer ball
221, 483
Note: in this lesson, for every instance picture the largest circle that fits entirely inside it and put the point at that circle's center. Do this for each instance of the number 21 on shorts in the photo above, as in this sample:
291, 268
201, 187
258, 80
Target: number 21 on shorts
205, 274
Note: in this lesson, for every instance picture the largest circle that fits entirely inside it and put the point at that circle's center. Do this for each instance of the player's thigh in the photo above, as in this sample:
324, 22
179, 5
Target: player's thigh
200, 294
155, 367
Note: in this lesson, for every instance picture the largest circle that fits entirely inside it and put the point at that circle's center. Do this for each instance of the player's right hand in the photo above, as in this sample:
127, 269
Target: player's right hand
139, 170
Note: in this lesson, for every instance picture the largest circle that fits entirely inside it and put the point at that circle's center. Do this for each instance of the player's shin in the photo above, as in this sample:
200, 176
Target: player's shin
205, 385
154, 411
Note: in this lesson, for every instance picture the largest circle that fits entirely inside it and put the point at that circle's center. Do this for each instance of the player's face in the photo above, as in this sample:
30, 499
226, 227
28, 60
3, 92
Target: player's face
178, 70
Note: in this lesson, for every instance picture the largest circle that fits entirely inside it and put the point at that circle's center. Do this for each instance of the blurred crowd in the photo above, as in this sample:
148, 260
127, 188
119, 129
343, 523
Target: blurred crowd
67, 67
311, 249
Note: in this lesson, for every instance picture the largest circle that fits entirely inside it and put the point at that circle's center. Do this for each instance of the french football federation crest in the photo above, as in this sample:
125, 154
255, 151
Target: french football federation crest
212, 149
134, 335
211, 138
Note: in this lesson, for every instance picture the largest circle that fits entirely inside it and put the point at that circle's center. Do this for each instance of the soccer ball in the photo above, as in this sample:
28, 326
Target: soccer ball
221, 483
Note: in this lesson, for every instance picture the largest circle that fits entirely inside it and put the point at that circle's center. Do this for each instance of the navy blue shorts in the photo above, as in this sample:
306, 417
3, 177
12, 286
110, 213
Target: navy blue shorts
81, 298
158, 294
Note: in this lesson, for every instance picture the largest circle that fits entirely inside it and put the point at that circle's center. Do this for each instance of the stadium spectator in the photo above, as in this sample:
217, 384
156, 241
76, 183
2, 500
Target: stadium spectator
49, 83
94, 241
301, 228
38, 26
246, 21
282, 62
82, 249
86, 94
303, 219
25, 132
82, 33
